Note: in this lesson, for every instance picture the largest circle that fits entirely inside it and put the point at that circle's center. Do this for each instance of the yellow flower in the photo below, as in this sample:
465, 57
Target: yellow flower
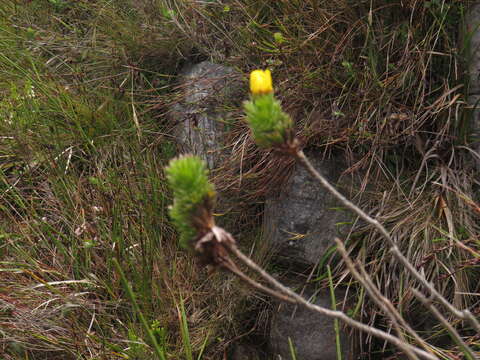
261, 82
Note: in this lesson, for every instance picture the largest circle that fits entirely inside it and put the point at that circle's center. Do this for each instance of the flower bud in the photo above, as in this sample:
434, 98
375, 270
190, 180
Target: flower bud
261, 82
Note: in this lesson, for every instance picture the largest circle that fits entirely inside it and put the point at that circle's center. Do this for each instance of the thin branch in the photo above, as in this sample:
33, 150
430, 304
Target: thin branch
378, 298
461, 314
453, 332
229, 265
231, 246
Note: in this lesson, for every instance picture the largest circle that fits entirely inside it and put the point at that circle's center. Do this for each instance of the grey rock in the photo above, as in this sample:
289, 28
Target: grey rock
472, 27
245, 352
302, 222
201, 115
312, 334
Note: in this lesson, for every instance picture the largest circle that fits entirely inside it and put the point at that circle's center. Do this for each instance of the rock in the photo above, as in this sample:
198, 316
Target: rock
201, 115
302, 222
245, 352
301, 225
312, 334
472, 27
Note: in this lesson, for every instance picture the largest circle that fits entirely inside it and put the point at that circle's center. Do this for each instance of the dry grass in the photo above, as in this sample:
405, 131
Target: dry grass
82, 182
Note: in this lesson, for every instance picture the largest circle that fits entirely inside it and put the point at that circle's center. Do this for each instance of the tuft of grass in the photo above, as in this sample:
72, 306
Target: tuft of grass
159, 351
82, 185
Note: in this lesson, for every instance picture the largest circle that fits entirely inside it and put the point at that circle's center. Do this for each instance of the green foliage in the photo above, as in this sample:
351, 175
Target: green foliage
269, 124
278, 37
187, 177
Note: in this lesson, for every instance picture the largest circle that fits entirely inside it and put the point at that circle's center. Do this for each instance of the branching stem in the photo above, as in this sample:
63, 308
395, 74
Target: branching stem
299, 300
461, 314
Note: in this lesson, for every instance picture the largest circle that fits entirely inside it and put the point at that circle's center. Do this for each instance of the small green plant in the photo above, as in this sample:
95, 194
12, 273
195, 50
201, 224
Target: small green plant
278, 37
269, 123
194, 197
137, 348
192, 210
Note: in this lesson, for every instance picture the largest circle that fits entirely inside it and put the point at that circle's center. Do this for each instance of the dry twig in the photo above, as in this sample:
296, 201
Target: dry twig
461, 314
225, 240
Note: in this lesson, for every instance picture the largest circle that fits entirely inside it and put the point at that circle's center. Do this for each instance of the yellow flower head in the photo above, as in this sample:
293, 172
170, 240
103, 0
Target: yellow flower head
260, 82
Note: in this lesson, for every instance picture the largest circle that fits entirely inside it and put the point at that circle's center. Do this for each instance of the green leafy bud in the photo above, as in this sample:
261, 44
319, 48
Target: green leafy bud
278, 37
269, 124
194, 197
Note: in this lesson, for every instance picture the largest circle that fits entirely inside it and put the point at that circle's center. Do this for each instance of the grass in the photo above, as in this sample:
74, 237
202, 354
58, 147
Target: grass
336, 324
159, 351
83, 187
85, 91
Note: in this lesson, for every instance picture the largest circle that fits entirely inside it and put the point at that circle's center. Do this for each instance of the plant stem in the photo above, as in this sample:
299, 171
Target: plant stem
378, 298
461, 314
453, 333
230, 266
299, 300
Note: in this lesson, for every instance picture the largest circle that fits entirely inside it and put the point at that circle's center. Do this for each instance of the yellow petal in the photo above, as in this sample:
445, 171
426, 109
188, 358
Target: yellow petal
261, 82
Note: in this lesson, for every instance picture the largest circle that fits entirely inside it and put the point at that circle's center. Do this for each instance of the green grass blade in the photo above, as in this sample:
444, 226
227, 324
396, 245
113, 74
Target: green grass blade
336, 325
204, 345
293, 353
158, 350
185, 332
